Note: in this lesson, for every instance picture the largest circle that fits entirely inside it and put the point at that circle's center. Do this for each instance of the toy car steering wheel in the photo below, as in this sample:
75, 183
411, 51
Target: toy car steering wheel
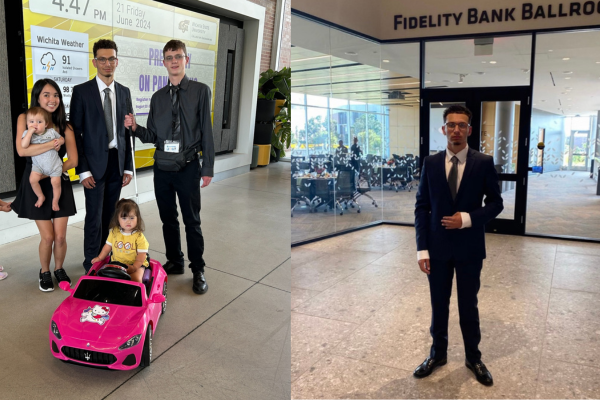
114, 271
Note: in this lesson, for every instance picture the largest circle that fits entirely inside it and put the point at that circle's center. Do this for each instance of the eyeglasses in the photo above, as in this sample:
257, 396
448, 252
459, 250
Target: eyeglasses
103, 60
462, 126
177, 57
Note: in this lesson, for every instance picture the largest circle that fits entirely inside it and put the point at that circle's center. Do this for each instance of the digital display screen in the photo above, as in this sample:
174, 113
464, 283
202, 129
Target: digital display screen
60, 35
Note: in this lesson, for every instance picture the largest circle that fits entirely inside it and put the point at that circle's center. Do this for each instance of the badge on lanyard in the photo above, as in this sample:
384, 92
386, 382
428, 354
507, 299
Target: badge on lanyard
171, 146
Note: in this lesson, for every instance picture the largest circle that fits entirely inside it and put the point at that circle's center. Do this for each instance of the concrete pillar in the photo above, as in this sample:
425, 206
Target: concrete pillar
505, 115
7, 160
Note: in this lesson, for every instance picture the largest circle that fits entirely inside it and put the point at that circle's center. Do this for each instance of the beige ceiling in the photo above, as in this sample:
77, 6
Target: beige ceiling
328, 62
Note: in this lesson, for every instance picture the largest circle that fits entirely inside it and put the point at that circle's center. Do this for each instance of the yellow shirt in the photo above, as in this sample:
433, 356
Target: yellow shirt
126, 246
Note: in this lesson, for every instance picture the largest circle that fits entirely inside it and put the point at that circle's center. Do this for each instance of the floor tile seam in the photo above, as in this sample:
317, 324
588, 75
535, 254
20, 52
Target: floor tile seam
576, 291
572, 363
288, 334
274, 287
180, 340
325, 318
214, 269
578, 254
579, 291
537, 380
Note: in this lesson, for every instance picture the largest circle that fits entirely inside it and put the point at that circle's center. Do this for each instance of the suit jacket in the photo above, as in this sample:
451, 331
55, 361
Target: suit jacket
434, 201
91, 134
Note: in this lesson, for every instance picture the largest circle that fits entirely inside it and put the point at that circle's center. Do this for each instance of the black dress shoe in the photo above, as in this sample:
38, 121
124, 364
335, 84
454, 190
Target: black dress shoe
172, 268
428, 366
199, 286
481, 373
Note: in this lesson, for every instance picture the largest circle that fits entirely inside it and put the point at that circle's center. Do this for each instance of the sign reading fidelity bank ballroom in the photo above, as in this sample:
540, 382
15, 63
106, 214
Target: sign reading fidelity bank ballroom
459, 18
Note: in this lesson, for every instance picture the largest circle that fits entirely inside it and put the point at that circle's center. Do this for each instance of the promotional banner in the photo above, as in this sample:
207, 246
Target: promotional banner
60, 35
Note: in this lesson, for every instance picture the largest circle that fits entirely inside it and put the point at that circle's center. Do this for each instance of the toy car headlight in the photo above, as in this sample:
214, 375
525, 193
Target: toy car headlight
55, 330
131, 342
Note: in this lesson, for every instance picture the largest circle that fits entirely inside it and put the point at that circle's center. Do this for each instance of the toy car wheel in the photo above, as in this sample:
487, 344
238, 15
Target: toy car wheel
147, 352
164, 303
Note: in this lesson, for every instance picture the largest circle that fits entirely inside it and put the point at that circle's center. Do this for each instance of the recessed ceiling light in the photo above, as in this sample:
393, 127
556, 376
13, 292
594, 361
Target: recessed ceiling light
492, 62
350, 53
484, 62
567, 72
566, 59
385, 60
567, 77
551, 51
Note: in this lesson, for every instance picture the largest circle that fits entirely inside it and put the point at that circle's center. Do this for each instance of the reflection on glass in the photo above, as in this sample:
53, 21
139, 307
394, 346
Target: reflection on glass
299, 140
500, 134
506, 61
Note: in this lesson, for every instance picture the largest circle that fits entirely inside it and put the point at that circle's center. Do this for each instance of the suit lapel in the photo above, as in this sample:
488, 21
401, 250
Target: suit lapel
97, 99
466, 173
120, 106
442, 169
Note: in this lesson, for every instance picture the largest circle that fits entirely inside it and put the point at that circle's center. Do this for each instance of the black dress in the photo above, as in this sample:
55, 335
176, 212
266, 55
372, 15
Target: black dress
24, 203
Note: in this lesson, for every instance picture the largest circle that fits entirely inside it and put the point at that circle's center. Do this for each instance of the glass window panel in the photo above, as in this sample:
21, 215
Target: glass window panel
318, 101
506, 61
338, 103
358, 106
297, 98
565, 106
500, 133
374, 108
317, 130
299, 143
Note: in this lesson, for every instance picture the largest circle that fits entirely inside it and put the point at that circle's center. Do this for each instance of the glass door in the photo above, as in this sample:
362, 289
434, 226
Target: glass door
501, 120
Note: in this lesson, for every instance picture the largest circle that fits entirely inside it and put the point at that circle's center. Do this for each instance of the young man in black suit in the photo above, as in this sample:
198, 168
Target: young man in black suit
450, 229
98, 109
179, 125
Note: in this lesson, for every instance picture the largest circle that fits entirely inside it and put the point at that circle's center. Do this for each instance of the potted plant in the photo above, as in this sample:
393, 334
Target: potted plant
276, 86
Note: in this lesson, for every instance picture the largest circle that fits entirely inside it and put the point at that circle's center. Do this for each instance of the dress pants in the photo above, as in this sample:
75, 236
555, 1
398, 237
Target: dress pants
440, 288
186, 185
100, 204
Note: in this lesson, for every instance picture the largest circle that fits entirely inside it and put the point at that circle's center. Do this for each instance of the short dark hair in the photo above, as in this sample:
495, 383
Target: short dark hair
456, 109
122, 209
33, 111
174, 45
105, 44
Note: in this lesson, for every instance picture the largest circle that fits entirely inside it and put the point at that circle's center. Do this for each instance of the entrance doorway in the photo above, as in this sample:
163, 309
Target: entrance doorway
500, 122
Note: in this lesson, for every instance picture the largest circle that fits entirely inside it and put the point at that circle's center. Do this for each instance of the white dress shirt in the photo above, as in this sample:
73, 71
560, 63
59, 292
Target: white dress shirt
462, 162
113, 99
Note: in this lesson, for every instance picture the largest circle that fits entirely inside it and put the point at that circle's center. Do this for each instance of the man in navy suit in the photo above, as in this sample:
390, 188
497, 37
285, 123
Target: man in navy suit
450, 227
98, 109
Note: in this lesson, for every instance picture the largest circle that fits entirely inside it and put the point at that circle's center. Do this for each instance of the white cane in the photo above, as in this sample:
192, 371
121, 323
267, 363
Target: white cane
137, 197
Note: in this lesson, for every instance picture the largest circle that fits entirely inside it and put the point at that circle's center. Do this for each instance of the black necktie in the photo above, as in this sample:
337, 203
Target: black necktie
175, 111
453, 177
108, 115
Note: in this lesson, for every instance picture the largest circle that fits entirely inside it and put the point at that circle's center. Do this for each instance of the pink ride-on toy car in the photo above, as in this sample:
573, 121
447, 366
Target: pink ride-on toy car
108, 320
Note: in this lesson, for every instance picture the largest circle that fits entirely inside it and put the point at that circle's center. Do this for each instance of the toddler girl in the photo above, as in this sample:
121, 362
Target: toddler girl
45, 164
126, 241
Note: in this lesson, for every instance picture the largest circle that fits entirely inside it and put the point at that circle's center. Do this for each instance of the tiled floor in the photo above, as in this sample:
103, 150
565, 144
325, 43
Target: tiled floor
361, 314
558, 203
231, 343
